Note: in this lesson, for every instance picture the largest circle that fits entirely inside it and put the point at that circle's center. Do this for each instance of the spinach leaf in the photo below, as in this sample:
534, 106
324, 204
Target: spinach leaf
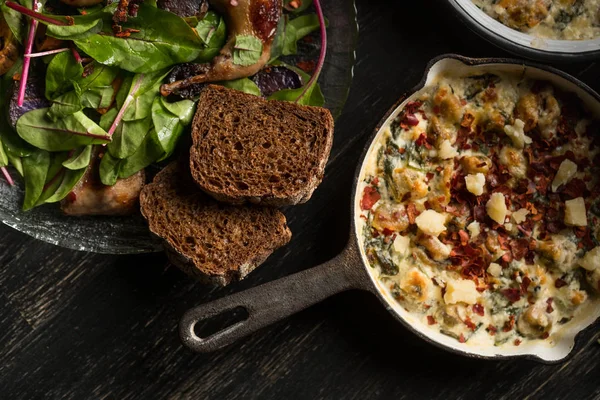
170, 120
35, 169
78, 27
101, 76
80, 158
3, 156
97, 97
16, 162
247, 50
65, 105
109, 169
65, 185
54, 176
313, 96
65, 134
15, 21
142, 88
149, 152
163, 40
279, 40
128, 137
296, 29
62, 71
213, 32
245, 85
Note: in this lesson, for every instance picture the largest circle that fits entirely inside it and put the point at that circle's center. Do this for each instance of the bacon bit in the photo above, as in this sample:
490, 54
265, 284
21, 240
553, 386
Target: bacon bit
509, 325
479, 213
402, 150
545, 335
575, 188
549, 308
478, 309
507, 257
412, 212
461, 338
411, 120
375, 181
470, 324
560, 283
406, 197
526, 281
517, 342
413, 106
429, 176
422, 141
464, 237
519, 248
387, 232
492, 329
513, 295
431, 320
370, 197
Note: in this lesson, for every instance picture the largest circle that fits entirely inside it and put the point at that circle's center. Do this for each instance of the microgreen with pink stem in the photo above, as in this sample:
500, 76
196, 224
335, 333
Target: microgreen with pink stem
7, 176
126, 104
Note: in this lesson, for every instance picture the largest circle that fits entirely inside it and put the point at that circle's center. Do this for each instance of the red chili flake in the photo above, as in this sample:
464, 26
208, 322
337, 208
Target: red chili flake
545, 335
549, 308
509, 325
431, 320
375, 181
370, 197
513, 295
517, 342
461, 338
559, 283
402, 150
429, 176
470, 324
464, 237
492, 329
478, 309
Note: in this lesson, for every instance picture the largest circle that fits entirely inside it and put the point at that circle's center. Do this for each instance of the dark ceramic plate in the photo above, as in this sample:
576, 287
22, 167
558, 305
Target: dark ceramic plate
521, 43
129, 235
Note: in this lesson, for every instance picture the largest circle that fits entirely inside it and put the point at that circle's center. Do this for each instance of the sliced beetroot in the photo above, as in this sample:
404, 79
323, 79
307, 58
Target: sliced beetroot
273, 79
184, 8
34, 98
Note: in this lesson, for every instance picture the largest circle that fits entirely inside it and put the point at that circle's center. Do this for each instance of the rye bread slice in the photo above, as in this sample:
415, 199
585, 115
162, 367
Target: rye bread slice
213, 242
248, 149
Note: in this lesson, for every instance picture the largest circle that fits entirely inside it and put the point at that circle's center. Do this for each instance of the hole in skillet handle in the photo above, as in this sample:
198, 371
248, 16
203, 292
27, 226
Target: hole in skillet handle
207, 328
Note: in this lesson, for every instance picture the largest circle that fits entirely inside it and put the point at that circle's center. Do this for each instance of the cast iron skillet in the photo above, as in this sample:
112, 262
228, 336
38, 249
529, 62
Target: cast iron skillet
276, 300
521, 43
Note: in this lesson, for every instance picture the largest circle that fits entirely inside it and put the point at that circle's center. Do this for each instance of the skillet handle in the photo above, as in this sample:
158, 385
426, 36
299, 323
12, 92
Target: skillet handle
273, 301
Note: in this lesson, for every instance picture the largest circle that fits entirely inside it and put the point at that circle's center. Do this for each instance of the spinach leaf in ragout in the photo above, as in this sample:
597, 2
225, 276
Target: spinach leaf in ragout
66, 133
163, 40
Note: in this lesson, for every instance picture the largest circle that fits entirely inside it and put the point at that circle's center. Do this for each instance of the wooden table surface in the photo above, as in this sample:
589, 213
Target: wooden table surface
85, 326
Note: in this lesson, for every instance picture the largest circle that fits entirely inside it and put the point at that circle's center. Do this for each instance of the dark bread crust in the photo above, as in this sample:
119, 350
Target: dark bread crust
248, 149
212, 242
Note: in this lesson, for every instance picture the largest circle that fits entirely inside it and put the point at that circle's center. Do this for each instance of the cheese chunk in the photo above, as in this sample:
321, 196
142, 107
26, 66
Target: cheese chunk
496, 207
566, 172
447, 151
461, 291
475, 183
517, 134
575, 213
520, 215
591, 260
401, 244
495, 269
431, 222
474, 229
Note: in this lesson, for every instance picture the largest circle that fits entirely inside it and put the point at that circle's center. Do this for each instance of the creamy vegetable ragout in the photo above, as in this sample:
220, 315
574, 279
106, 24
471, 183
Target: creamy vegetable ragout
480, 205
551, 19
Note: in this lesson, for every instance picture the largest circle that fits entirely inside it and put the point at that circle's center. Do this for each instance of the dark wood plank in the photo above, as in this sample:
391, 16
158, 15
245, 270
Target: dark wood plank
84, 326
